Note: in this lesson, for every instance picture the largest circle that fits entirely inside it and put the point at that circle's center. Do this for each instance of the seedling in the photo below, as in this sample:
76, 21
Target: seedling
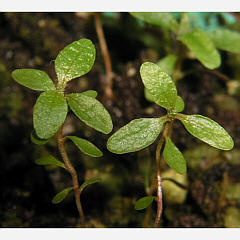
202, 44
51, 108
140, 133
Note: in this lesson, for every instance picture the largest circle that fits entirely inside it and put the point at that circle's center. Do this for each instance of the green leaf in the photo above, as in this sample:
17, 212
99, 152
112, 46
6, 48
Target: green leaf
136, 135
174, 157
167, 64
226, 40
90, 93
49, 113
34, 79
60, 196
159, 85
207, 130
202, 47
179, 105
162, 19
75, 60
88, 182
143, 202
49, 160
35, 139
85, 146
91, 112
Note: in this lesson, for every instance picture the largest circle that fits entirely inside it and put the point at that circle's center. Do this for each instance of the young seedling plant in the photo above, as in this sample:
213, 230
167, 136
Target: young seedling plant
140, 133
51, 108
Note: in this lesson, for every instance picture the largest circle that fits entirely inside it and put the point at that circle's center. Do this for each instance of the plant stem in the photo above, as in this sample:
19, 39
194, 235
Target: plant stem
72, 171
159, 158
167, 131
158, 182
108, 93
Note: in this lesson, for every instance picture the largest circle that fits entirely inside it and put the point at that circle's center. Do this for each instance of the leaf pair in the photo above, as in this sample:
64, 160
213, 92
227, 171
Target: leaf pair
196, 40
202, 45
51, 108
73, 61
140, 133
63, 194
50, 160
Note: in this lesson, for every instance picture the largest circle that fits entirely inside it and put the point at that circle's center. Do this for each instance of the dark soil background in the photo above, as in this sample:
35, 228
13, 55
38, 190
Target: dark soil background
33, 40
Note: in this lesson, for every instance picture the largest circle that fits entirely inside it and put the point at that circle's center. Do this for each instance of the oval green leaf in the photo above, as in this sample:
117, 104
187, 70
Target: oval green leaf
91, 112
174, 157
136, 135
35, 139
49, 160
162, 19
75, 60
34, 79
159, 85
225, 39
179, 107
85, 146
60, 196
89, 181
207, 130
202, 47
90, 93
49, 113
143, 202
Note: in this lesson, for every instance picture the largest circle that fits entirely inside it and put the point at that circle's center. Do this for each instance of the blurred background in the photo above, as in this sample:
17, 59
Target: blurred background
210, 195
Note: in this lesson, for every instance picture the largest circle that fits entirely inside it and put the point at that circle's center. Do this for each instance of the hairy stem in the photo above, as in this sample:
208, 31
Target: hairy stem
108, 93
72, 171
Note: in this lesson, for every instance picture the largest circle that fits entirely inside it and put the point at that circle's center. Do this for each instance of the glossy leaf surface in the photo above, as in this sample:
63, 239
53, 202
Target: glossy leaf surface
207, 130
89, 181
162, 19
85, 146
143, 203
226, 40
202, 47
49, 113
174, 157
60, 196
34, 79
159, 84
136, 135
91, 112
49, 160
75, 60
